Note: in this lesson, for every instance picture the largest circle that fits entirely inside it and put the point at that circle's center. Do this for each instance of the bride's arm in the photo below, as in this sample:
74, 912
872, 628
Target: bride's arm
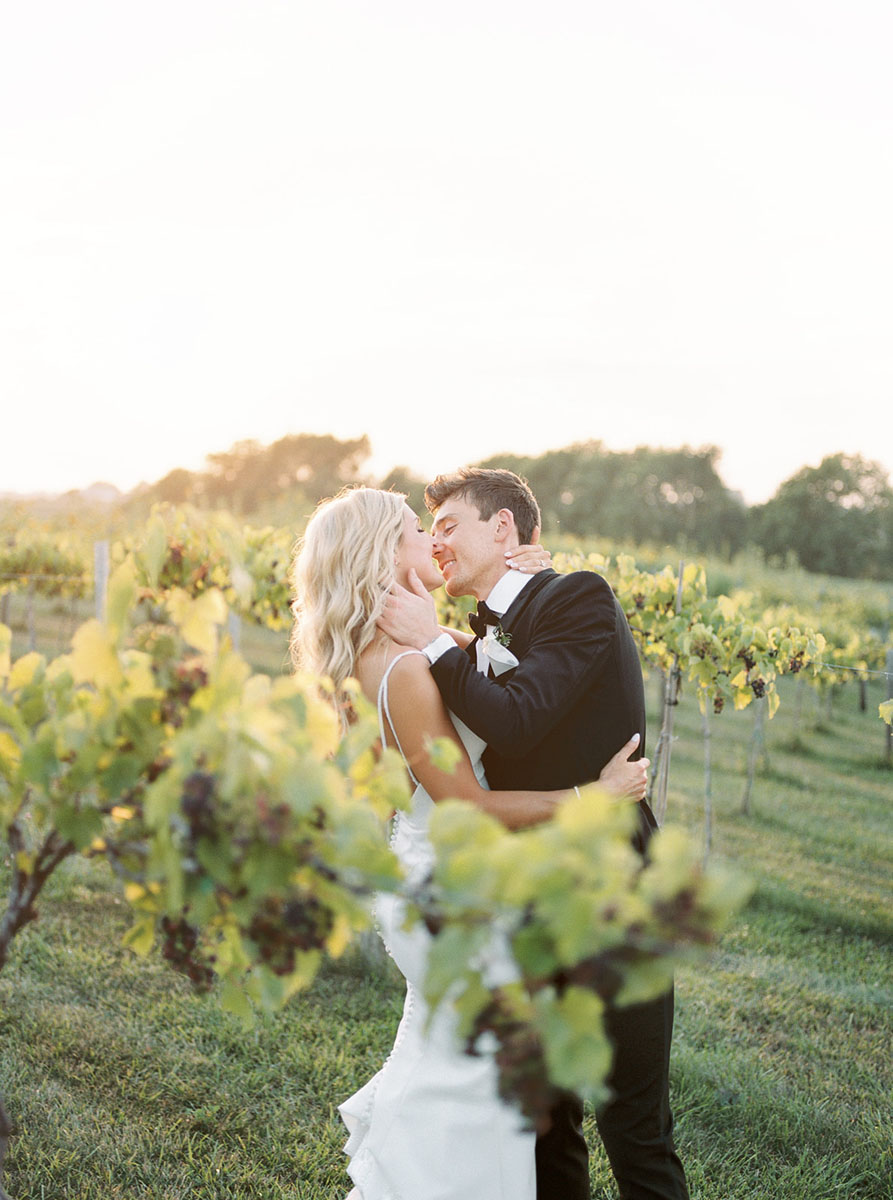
418, 716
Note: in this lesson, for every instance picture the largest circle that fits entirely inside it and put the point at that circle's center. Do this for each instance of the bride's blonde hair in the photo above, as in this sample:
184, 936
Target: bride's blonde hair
342, 570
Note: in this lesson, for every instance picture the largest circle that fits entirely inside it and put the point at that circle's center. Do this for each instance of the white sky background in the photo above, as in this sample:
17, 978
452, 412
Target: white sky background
463, 228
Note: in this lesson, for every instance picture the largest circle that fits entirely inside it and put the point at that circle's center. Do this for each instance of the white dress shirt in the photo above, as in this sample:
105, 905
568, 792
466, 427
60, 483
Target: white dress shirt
500, 599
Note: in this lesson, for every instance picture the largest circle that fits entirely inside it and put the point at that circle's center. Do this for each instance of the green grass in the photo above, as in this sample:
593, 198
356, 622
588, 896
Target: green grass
782, 1066
125, 1085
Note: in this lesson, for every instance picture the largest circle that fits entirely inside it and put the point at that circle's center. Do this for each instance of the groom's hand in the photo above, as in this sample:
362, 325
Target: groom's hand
410, 617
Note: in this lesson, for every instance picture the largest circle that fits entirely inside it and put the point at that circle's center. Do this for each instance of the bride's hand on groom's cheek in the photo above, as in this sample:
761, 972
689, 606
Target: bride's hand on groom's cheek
409, 617
528, 559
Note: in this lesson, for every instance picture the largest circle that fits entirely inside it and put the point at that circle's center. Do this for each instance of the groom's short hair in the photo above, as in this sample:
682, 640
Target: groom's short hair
489, 489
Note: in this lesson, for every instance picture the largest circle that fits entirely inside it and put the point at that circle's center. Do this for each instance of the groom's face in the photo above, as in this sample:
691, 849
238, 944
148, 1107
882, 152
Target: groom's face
468, 551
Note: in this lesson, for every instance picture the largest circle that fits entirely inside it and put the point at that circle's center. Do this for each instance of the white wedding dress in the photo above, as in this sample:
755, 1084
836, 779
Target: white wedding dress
430, 1125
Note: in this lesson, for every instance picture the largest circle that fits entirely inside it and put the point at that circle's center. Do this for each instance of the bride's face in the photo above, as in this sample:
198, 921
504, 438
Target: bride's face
415, 550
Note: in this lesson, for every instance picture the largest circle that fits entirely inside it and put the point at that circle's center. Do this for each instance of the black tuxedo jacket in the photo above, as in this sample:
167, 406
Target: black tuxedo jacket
575, 697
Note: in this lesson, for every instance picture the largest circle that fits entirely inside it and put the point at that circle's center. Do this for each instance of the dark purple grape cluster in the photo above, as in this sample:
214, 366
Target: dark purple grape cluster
796, 663
599, 973
180, 569
197, 804
639, 600
272, 818
434, 921
759, 687
188, 677
179, 946
702, 648
520, 1060
171, 574
747, 659
273, 579
157, 767
718, 704
283, 928
680, 913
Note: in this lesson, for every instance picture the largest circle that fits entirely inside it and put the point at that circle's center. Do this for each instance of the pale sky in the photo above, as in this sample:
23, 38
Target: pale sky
461, 228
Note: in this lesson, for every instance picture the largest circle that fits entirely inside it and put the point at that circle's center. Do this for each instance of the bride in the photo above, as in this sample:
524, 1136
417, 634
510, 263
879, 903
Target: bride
429, 1125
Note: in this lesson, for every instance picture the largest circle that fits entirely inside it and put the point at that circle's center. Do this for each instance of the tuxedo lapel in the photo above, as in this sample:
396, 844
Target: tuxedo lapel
515, 624
524, 597
515, 619
510, 617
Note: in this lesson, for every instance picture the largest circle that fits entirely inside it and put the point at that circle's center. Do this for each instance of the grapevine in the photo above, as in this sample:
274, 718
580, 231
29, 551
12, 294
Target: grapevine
249, 835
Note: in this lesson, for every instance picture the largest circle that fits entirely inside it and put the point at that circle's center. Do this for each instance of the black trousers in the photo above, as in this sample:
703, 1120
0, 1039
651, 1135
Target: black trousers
636, 1125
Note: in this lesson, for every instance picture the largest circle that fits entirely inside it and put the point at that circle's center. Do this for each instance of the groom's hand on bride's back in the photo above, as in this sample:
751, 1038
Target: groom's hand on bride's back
409, 616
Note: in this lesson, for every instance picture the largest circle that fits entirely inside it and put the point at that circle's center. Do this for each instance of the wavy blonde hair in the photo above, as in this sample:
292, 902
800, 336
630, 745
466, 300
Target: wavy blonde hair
342, 570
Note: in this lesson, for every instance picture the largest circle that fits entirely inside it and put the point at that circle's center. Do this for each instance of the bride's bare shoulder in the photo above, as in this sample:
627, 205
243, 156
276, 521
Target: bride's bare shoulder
372, 666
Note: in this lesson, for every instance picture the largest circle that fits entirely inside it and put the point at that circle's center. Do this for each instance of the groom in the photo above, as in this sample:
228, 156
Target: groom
552, 720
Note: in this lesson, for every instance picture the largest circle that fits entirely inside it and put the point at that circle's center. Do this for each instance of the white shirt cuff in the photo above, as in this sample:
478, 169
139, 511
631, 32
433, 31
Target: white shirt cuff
439, 646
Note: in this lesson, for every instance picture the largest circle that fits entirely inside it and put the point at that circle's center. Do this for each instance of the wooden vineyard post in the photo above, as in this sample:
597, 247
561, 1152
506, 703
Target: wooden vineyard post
100, 578
798, 718
655, 758
756, 745
234, 629
708, 785
661, 777
6, 1132
32, 628
890, 697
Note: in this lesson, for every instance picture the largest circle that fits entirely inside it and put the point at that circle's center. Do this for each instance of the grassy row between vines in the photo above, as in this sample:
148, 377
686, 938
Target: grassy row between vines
124, 1084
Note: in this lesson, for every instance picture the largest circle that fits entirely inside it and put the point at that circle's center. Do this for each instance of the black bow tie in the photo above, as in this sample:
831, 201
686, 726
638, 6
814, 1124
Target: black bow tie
482, 618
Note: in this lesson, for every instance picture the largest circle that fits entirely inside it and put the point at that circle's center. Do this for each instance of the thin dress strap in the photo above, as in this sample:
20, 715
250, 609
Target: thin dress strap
385, 711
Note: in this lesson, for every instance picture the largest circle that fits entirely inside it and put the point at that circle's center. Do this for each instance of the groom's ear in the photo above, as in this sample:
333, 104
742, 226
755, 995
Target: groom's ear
505, 525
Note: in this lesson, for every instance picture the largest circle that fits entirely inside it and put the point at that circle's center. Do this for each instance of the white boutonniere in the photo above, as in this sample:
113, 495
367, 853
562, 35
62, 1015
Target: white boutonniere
495, 645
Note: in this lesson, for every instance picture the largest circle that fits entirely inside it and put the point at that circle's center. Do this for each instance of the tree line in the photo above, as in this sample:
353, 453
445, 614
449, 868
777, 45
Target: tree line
835, 518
